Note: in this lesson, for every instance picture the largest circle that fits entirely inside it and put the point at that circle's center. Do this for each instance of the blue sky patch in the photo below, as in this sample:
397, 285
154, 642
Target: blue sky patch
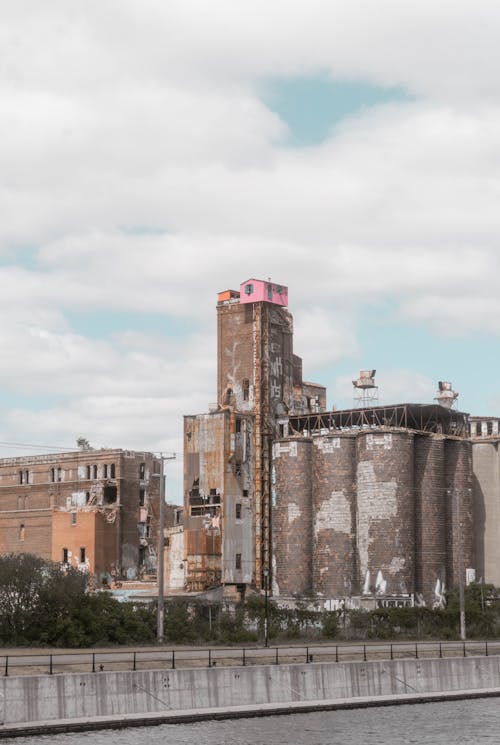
312, 107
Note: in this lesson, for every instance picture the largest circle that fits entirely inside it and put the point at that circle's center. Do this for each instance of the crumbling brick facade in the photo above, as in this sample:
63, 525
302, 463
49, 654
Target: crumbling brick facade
94, 509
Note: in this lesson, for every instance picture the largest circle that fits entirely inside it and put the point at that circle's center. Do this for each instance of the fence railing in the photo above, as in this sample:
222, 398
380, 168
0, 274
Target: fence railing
147, 659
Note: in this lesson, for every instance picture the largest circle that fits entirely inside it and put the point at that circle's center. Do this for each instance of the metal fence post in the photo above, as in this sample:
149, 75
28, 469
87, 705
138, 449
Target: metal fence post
486, 648
416, 651
337, 653
6, 665
364, 652
465, 653
307, 654
173, 659
134, 661
244, 658
93, 662
392, 653
50, 668
440, 650
209, 658
277, 661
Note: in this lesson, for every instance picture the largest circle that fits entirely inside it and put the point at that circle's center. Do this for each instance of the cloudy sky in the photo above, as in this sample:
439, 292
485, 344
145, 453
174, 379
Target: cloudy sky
155, 152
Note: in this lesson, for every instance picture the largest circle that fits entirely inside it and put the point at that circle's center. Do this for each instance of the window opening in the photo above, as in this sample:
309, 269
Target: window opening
142, 470
105, 469
248, 289
21, 532
142, 497
88, 472
238, 561
82, 555
238, 511
245, 492
52, 474
109, 494
246, 389
94, 472
112, 471
73, 518
65, 556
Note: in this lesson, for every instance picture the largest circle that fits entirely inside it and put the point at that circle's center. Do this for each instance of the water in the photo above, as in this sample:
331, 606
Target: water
446, 723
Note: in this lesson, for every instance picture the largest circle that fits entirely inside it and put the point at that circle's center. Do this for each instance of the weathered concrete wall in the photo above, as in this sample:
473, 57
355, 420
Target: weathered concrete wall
460, 507
386, 511
430, 515
334, 515
292, 516
486, 489
50, 698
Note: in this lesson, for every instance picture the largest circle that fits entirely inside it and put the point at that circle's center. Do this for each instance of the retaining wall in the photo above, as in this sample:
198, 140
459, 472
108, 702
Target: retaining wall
70, 696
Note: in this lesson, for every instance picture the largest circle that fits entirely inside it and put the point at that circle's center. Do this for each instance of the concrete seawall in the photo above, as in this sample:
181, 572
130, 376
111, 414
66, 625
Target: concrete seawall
89, 700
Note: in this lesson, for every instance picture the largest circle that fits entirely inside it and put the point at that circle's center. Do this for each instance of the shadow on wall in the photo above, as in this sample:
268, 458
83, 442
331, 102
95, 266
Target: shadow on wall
480, 525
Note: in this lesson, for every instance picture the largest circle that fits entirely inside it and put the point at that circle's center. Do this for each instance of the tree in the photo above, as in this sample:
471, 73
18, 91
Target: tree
34, 593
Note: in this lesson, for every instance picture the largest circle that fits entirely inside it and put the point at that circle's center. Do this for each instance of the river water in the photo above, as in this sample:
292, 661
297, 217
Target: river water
446, 723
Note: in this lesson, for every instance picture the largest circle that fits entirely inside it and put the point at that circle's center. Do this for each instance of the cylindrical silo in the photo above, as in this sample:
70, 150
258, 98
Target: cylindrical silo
460, 508
386, 511
334, 515
430, 516
291, 516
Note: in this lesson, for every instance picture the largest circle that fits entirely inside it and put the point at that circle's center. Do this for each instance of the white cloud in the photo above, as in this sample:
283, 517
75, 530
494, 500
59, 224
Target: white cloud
141, 165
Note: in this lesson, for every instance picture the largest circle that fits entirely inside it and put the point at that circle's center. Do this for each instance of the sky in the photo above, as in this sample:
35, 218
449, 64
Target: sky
155, 153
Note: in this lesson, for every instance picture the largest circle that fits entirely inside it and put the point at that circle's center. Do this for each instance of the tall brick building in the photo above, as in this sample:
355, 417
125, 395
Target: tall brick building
93, 509
369, 502
227, 452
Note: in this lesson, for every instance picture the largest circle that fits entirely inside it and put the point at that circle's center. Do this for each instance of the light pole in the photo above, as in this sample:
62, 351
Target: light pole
265, 572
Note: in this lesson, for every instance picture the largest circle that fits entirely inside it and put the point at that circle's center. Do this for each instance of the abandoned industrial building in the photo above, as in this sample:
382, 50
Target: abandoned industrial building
371, 504
96, 510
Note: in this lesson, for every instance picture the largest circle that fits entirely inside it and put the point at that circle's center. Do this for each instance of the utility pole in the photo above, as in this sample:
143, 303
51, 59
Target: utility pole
461, 598
160, 570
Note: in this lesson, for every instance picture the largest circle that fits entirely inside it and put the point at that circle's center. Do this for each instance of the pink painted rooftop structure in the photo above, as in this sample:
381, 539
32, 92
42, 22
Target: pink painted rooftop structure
258, 291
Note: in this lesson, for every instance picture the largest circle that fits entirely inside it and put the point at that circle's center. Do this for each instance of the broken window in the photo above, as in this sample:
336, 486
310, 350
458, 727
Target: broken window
65, 556
478, 429
214, 496
82, 555
21, 532
94, 472
112, 474
52, 474
246, 389
105, 471
109, 494
88, 472
238, 425
237, 469
73, 518
87, 497
238, 561
142, 497
21, 477
148, 527
489, 428
142, 470
238, 511
197, 511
